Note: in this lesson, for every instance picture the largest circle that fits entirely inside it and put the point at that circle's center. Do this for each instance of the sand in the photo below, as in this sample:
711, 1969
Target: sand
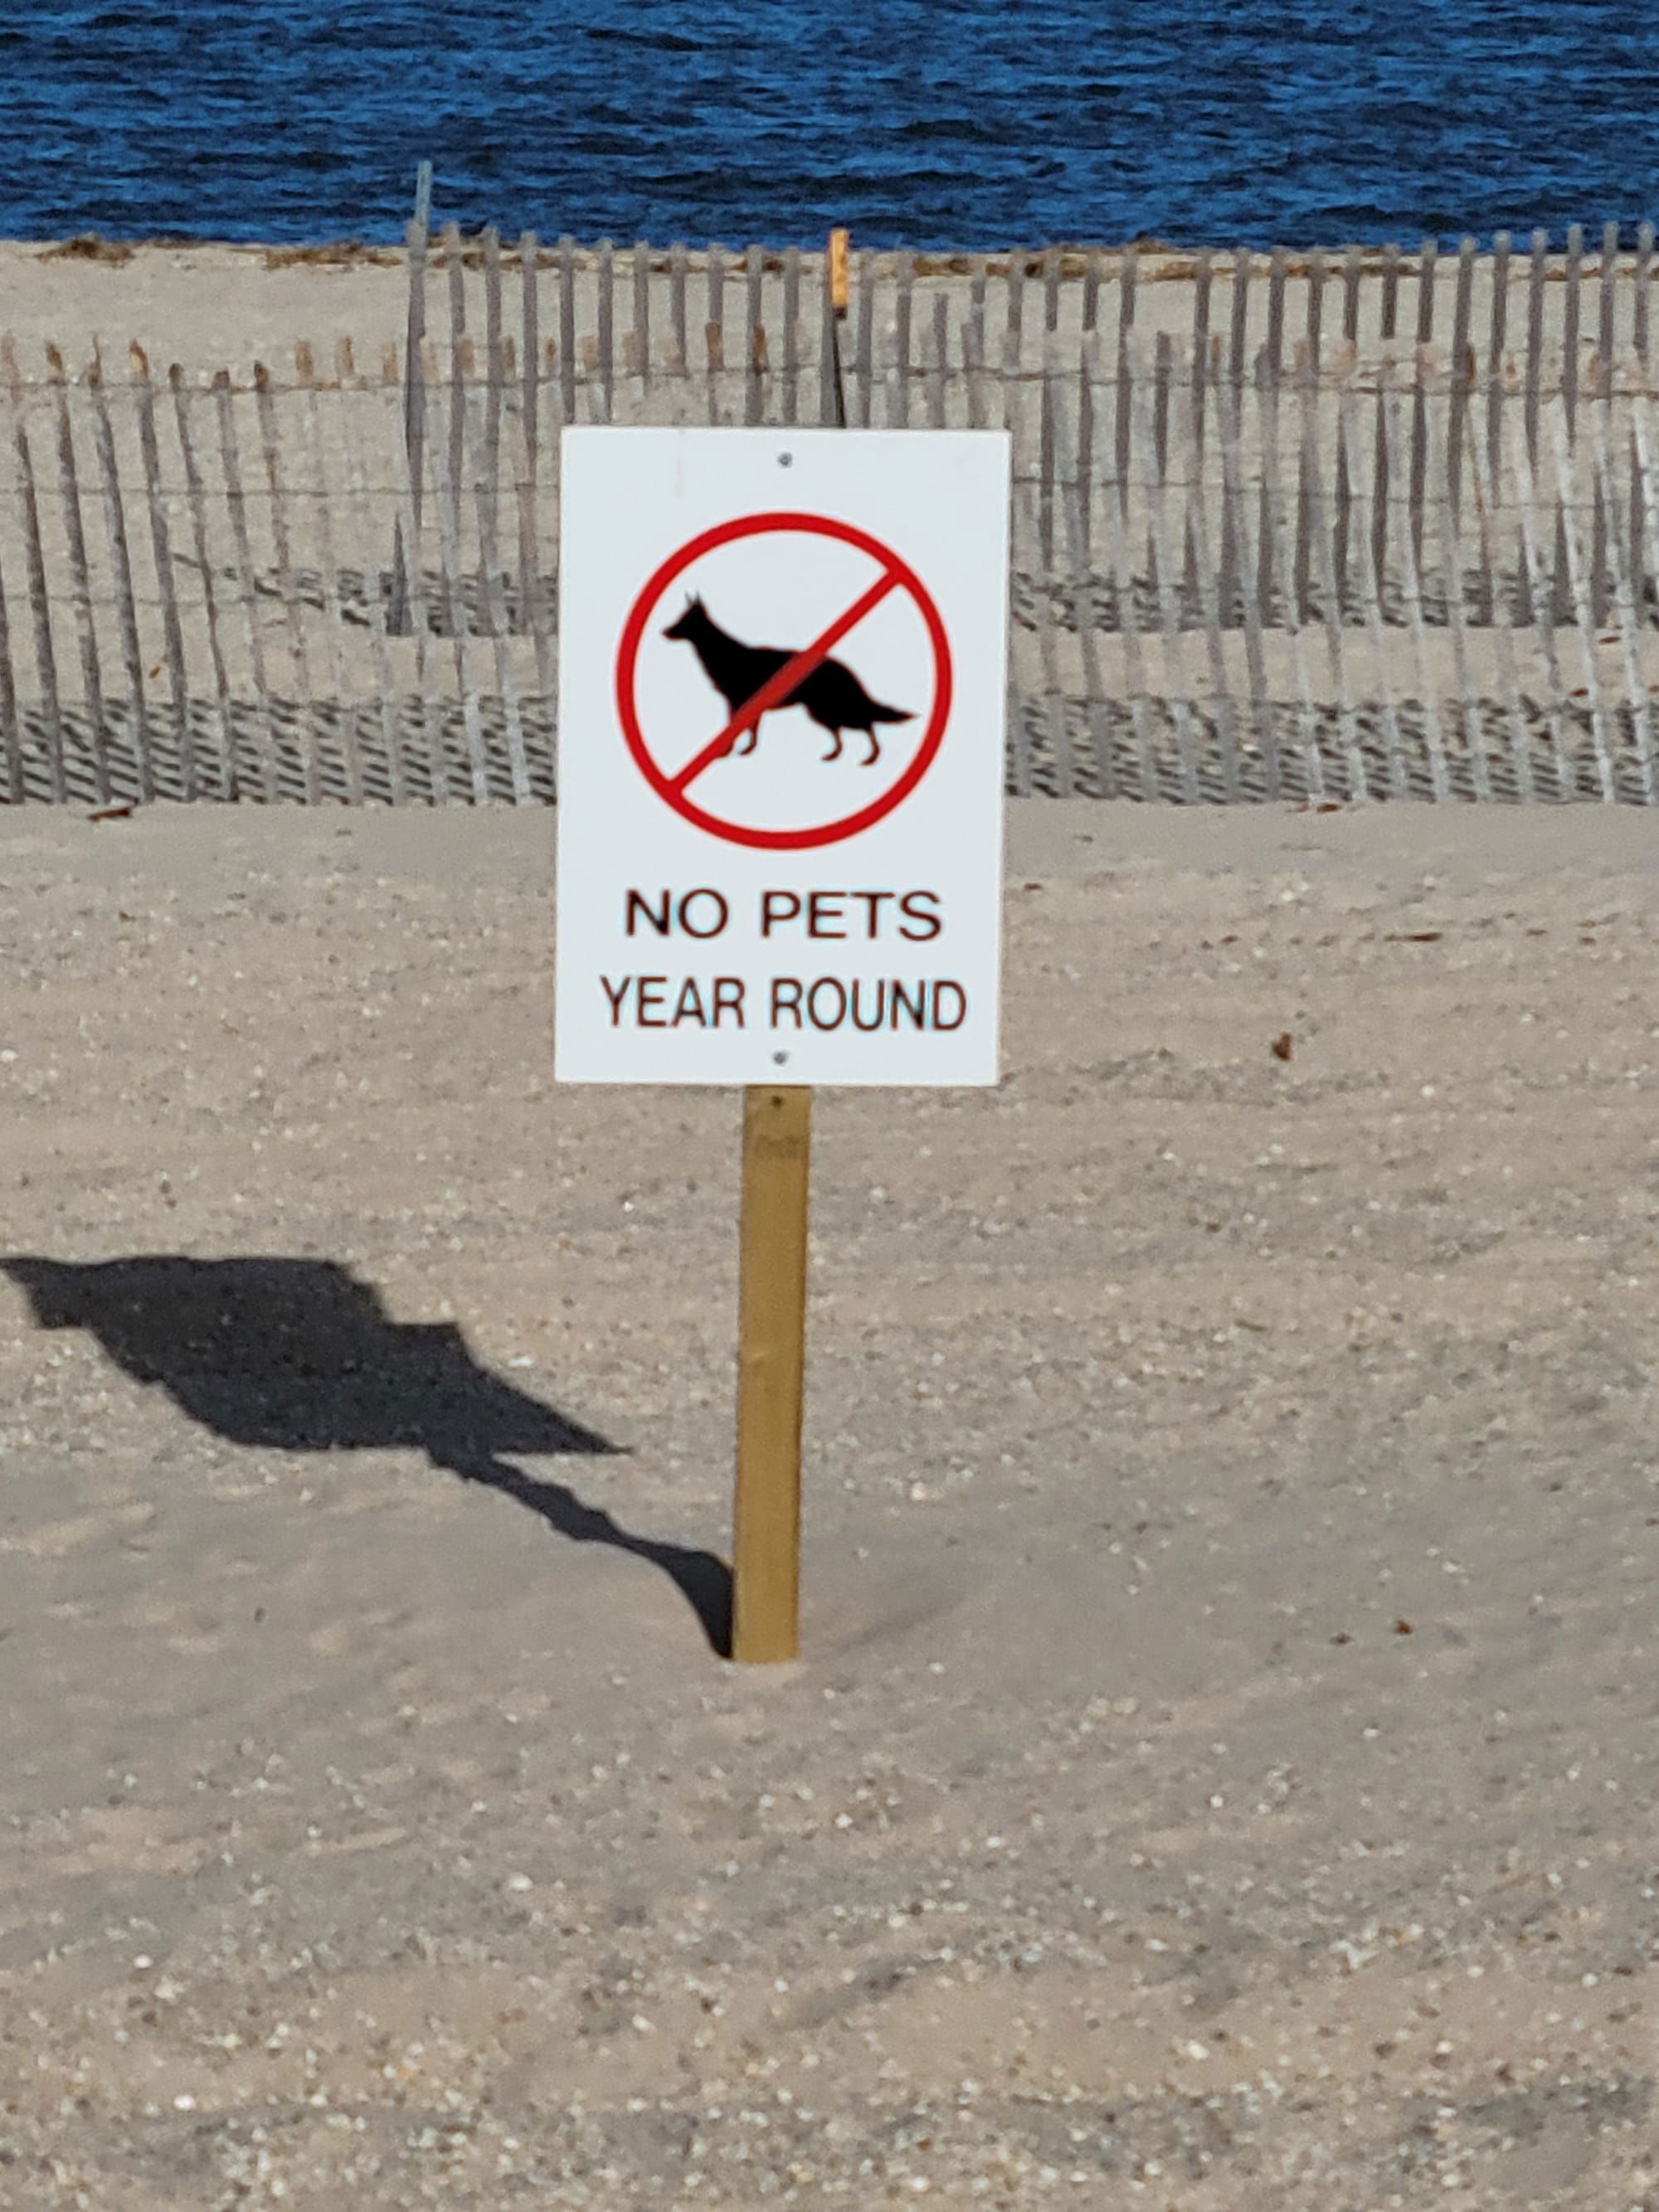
1222, 1770
209, 304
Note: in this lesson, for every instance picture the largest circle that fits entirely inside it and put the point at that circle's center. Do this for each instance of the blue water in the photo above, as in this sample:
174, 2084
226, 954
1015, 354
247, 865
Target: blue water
927, 122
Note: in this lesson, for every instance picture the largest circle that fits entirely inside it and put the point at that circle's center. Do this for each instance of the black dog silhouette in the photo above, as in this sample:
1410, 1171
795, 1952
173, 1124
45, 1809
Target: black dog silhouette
831, 694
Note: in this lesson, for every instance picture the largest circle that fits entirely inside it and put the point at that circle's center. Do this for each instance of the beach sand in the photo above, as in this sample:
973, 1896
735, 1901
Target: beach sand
208, 306
1221, 1773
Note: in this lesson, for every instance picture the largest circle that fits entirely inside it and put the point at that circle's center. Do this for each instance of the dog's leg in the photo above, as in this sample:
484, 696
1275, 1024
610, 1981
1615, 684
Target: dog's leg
833, 752
874, 753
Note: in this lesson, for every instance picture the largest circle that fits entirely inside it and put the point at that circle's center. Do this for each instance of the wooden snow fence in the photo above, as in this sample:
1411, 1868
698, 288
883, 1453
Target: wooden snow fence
1328, 528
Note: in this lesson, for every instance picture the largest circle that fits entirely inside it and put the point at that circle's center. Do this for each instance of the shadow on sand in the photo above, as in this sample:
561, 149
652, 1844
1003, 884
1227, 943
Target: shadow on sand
298, 1355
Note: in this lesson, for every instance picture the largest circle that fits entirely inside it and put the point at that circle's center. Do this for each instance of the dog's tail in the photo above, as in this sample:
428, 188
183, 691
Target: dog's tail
880, 714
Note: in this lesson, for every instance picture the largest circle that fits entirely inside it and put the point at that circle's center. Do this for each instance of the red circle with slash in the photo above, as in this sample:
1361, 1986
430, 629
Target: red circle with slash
896, 575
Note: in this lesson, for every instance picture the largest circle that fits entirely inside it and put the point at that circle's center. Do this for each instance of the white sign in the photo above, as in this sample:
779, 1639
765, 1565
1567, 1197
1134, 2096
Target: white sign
782, 684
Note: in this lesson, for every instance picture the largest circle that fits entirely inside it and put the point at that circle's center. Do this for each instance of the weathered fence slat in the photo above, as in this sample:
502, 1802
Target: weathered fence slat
864, 343
1276, 534
485, 466
248, 590
978, 285
1074, 499
679, 339
529, 417
640, 327
161, 540
1309, 364
792, 337
1267, 575
1330, 592
1155, 494
1644, 492
1571, 310
1538, 600
1342, 496
532, 608
36, 567
1606, 292
938, 371
1564, 455
1537, 274
1411, 579
892, 383
1127, 269
1307, 371
903, 303
1353, 272
1241, 586
1084, 452
1117, 509
566, 260
713, 333
417, 243
494, 345
422, 608
1370, 582
1028, 525
1451, 569
1053, 269
1278, 277
1196, 530
1013, 327
1636, 689
1238, 309
230, 770
1485, 485
1089, 310
447, 498
604, 286
80, 581
1601, 581
305, 376
1389, 314
1046, 400
126, 606
1463, 372
312, 766
754, 341
11, 728
1203, 285
1498, 341
1316, 282
1427, 263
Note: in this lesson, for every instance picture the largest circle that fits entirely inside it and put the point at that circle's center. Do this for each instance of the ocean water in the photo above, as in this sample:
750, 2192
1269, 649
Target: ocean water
931, 123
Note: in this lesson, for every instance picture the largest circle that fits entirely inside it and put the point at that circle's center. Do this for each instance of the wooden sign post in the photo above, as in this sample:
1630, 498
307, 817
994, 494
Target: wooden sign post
771, 1372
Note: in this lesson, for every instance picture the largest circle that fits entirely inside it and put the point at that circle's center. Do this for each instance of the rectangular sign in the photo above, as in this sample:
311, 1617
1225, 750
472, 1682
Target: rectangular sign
782, 675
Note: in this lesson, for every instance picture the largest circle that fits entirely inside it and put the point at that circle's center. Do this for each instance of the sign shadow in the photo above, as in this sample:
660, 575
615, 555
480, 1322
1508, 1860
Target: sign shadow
300, 1355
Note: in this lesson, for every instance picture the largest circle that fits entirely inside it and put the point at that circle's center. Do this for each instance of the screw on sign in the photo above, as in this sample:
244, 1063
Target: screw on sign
757, 680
